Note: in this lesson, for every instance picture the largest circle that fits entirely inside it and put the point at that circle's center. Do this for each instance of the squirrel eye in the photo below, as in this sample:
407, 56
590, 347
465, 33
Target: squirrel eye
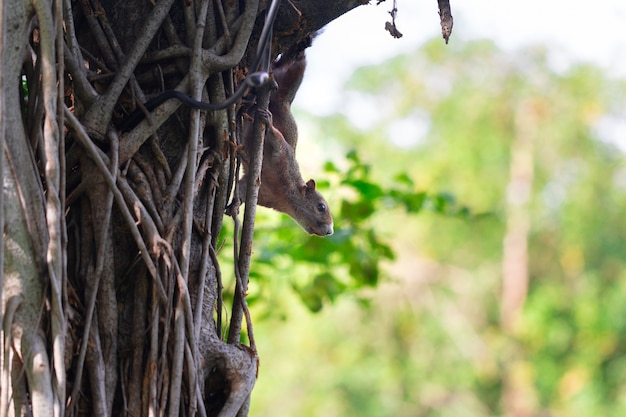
321, 207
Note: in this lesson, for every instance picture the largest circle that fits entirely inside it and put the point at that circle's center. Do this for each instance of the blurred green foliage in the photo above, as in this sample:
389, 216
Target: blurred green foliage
319, 270
408, 289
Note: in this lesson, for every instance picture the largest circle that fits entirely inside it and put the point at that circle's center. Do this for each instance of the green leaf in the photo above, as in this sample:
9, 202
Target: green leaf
365, 271
330, 167
367, 189
329, 285
442, 202
413, 202
356, 212
353, 157
403, 178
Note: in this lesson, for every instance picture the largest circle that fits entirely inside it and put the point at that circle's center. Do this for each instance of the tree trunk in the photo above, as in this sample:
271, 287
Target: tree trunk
111, 289
518, 396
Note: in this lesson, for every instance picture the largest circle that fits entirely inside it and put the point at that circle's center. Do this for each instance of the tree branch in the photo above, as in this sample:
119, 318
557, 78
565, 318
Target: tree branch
99, 114
119, 198
252, 194
102, 215
215, 62
54, 209
445, 15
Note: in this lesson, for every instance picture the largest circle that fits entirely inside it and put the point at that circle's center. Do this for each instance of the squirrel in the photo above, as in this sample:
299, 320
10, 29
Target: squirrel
282, 187
288, 72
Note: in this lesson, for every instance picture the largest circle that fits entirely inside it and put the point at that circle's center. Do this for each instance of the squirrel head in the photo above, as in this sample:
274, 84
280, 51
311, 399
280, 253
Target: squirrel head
311, 211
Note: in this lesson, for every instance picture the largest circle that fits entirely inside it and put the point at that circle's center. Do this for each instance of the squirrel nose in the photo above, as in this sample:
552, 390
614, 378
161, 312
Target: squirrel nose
330, 230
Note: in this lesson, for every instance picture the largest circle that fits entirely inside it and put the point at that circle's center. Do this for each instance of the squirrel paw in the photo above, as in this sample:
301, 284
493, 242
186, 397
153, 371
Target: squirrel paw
232, 209
264, 115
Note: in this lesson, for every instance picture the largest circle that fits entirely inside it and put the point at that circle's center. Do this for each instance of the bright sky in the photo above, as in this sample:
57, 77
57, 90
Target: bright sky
574, 30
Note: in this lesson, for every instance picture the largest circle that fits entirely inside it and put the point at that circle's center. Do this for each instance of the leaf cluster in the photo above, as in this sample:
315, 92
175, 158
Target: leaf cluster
320, 270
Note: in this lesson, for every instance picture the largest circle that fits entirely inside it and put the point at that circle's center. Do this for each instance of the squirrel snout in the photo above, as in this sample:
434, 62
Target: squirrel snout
327, 230
320, 229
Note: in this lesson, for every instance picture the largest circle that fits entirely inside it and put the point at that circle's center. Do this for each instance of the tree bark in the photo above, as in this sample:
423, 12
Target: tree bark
111, 286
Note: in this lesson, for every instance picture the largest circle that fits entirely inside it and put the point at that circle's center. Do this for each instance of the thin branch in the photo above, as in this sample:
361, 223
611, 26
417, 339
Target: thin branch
153, 355
138, 330
220, 288
95, 363
92, 151
96, 65
171, 34
98, 35
206, 260
160, 348
220, 11
99, 114
445, 14
165, 172
145, 168
197, 83
70, 33
190, 24
82, 88
60, 119
7, 352
101, 228
176, 373
174, 187
224, 126
239, 302
192, 377
252, 194
145, 192
148, 226
174, 51
5, 85
108, 32
54, 209
391, 26
137, 137
214, 61
234, 330
183, 316
73, 57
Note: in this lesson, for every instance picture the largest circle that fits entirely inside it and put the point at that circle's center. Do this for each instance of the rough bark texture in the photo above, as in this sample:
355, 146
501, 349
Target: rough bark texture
111, 299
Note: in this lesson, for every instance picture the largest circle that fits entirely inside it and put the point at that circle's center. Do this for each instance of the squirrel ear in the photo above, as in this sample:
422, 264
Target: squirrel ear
311, 184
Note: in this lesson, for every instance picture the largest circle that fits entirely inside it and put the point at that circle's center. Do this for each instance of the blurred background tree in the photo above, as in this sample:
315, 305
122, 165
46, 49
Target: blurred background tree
489, 212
